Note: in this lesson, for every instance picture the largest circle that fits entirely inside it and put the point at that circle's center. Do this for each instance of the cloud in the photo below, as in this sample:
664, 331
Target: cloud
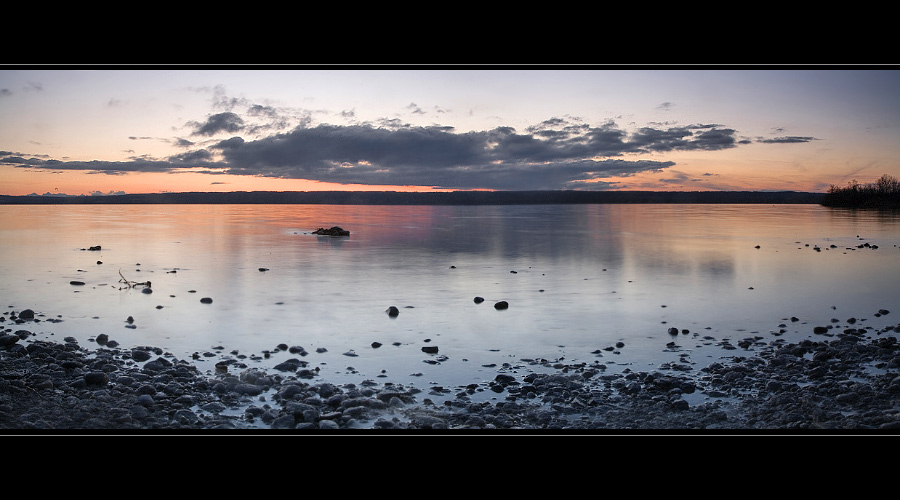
438, 156
787, 140
94, 166
221, 122
558, 153
64, 195
689, 138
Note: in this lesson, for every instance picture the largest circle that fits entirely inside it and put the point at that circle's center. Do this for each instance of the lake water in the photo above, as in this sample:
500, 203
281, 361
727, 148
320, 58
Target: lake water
578, 279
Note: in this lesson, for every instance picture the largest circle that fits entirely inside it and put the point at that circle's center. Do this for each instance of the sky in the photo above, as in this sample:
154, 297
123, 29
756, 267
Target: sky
74, 130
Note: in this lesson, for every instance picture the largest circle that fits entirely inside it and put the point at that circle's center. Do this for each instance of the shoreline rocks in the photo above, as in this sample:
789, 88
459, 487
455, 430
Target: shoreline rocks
847, 382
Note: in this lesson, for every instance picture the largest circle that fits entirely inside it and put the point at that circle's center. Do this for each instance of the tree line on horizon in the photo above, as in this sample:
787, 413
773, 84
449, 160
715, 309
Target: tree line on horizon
431, 198
883, 193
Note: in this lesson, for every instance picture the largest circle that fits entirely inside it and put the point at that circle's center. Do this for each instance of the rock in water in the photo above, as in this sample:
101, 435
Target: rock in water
501, 305
392, 311
333, 231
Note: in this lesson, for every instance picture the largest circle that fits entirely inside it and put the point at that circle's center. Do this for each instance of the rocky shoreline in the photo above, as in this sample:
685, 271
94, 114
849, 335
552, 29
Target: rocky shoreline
843, 380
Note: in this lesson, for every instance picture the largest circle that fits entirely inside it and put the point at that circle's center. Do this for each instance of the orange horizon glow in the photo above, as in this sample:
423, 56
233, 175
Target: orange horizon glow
18, 182
23, 183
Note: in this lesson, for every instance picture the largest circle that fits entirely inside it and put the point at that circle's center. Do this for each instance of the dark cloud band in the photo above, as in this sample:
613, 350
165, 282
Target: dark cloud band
557, 154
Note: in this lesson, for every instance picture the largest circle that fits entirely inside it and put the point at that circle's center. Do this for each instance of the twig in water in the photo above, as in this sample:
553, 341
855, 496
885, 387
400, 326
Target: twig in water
132, 284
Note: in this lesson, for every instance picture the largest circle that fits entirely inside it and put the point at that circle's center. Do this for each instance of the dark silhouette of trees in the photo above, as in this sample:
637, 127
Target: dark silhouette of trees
883, 193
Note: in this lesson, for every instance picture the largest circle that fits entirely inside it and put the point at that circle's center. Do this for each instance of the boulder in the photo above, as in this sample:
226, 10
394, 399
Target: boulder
333, 231
140, 355
96, 378
8, 340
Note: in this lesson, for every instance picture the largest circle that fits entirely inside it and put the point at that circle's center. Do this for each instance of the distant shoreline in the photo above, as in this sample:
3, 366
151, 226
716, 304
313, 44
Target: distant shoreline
428, 198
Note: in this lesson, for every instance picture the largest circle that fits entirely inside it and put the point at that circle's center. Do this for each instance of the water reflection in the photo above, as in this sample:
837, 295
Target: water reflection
574, 275
500, 232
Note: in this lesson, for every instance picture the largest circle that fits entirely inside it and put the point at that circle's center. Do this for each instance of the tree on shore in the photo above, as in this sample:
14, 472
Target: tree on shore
883, 193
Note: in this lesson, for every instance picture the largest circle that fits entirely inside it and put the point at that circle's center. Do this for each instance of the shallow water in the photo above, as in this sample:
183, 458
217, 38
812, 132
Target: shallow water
578, 279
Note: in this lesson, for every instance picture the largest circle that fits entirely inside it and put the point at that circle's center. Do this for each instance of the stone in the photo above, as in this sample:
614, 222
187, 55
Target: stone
140, 355
96, 378
8, 340
333, 231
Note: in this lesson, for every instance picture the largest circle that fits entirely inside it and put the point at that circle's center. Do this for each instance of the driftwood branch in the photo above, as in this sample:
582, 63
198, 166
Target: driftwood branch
132, 284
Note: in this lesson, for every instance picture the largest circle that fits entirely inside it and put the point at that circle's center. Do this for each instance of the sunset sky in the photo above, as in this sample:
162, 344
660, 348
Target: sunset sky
108, 130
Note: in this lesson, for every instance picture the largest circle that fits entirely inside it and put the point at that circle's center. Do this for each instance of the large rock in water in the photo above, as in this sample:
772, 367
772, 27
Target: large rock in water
333, 231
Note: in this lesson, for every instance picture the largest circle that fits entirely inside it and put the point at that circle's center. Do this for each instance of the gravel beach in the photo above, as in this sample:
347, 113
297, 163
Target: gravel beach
843, 380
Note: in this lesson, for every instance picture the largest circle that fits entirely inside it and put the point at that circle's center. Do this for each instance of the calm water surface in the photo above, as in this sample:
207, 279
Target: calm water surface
578, 279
